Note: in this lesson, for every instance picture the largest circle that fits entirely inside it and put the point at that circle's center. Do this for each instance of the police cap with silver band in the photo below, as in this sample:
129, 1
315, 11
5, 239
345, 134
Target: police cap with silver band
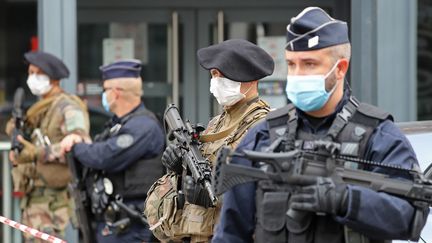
49, 64
238, 60
130, 68
314, 29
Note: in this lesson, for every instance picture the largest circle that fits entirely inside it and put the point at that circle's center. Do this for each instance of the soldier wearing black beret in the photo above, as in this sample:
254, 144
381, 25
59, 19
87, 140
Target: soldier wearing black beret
48, 63
235, 67
322, 111
41, 172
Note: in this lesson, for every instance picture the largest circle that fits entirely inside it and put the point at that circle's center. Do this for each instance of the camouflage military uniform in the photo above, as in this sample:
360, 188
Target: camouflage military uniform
42, 173
193, 221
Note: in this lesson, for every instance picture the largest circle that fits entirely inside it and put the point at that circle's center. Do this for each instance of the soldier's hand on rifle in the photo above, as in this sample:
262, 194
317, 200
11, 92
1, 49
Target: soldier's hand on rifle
69, 141
10, 126
323, 197
172, 158
28, 154
195, 193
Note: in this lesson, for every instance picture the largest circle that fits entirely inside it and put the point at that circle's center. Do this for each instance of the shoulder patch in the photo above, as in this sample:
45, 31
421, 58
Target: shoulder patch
125, 140
279, 117
75, 120
281, 112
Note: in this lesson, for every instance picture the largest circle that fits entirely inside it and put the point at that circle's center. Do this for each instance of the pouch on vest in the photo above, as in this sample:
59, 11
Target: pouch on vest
23, 176
54, 175
271, 205
197, 220
161, 205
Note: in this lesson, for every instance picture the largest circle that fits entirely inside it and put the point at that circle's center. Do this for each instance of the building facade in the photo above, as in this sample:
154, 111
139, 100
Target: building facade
390, 66
391, 46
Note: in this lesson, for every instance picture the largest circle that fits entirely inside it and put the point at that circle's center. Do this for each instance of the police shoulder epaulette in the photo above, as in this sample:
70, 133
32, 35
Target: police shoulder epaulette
374, 112
279, 116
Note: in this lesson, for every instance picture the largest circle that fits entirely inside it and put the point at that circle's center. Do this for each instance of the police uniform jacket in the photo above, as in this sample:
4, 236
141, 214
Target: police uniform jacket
376, 215
140, 137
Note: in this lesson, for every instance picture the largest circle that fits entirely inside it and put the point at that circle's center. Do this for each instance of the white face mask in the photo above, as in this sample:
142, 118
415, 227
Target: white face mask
226, 91
39, 84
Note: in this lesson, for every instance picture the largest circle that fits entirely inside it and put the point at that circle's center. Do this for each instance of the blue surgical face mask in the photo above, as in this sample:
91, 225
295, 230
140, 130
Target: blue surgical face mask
307, 92
105, 103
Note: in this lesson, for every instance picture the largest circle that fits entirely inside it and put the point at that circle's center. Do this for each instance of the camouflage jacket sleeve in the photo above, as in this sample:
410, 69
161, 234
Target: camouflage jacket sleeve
75, 119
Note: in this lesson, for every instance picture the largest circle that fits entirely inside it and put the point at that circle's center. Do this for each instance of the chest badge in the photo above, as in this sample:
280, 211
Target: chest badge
358, 134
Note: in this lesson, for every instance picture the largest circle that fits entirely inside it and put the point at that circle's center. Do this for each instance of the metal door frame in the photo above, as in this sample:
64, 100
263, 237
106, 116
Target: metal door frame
186, 20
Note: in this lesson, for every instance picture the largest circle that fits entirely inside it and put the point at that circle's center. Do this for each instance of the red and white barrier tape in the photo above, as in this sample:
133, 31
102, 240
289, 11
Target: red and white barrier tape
33, 232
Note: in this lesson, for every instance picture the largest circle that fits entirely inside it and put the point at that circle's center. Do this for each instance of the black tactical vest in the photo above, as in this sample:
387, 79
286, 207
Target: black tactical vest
352, 128
135, 181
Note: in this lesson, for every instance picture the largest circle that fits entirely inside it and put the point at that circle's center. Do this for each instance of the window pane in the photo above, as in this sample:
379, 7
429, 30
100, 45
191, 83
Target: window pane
424, 60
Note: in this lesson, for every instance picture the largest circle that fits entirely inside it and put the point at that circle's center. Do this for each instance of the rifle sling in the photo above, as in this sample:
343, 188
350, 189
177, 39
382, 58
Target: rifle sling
219, 135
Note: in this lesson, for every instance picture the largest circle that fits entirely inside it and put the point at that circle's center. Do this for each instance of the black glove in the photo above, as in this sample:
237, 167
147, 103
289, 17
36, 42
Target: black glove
171, 158
323, 197
195, 194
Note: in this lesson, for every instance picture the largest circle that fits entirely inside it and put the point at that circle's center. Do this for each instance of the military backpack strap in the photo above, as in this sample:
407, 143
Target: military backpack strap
225, 133
219, 135
38, 111
253, 116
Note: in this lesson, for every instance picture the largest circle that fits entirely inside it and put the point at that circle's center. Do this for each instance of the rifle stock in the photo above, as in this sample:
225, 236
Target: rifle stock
186, 137
130, 211
77, 189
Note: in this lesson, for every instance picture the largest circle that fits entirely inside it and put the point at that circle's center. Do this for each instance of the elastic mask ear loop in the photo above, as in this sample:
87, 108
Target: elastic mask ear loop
331, 70
337, 81
247, 91
111, 103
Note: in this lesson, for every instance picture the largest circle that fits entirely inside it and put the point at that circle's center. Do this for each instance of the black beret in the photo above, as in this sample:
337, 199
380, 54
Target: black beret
130, 68
49, 64
314, 29
237, 59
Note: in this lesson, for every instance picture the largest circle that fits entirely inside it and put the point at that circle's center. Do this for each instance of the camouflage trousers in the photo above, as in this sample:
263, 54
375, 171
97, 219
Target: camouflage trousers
49, 213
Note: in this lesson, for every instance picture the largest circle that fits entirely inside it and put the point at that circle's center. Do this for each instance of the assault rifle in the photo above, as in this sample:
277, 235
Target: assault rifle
131, 212
186, 136
77, 189
302, 167
18, 116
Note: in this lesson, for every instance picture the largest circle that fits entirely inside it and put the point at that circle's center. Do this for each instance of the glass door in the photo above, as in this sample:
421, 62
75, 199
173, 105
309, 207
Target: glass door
156, 37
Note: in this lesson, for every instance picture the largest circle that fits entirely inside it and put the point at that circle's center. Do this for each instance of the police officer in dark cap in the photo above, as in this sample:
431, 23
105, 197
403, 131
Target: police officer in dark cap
41, 172
124, 160
322, 108
235, 67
